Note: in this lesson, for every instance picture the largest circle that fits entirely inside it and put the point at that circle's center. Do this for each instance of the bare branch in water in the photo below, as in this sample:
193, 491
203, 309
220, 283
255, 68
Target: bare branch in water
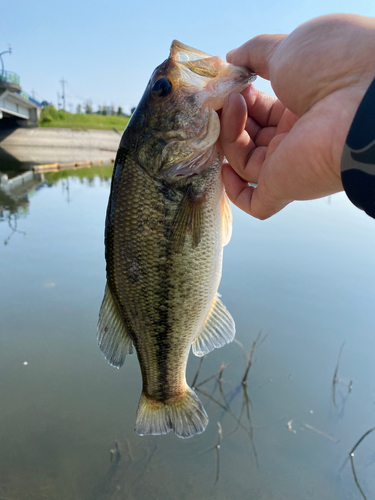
246, 401
250, 357
220, 437
197, 374
259, 340
220, 383
209, 378
130, 453
217, 448
13, 227
355, 477
219, 378
351, 455
212, 399
360, 440
290, 427
222, 368
239, 343
335, 377
114, 453
225, 408
320, 432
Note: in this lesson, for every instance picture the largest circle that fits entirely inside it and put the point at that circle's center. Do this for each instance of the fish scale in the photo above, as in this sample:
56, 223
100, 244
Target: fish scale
168, 306
167, 221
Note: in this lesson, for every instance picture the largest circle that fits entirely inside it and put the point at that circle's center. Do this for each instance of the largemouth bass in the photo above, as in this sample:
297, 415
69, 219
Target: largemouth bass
168, 219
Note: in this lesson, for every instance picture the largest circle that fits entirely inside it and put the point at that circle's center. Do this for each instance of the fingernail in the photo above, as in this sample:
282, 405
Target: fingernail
253, 90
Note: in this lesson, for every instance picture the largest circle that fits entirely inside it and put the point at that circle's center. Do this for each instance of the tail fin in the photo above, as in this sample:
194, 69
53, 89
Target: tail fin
185, 416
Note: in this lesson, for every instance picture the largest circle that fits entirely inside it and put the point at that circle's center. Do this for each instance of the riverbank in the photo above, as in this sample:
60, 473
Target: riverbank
34, 146
85, 122
53, 118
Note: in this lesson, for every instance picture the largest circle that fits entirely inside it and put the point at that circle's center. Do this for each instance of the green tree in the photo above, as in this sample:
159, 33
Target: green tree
119, 111
88, 107
79, 109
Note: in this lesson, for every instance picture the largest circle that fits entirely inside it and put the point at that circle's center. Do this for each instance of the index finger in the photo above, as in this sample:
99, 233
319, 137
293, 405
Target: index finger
256, 53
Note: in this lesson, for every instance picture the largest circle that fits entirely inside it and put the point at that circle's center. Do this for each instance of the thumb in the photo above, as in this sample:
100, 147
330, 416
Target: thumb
256, 53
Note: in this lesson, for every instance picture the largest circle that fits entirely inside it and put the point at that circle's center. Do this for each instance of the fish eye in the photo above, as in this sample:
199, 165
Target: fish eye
162, 87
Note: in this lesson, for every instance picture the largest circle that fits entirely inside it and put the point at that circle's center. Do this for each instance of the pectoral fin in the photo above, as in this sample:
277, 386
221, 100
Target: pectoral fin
113, 339
219, 329
188, 219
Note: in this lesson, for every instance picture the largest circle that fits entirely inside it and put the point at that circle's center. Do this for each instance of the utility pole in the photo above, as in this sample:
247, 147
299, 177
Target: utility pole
63, 82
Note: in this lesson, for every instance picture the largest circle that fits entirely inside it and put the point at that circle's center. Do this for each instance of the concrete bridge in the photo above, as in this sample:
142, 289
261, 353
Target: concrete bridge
17, 108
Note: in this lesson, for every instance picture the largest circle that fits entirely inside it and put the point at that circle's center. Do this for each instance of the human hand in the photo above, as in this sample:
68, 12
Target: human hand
291, 147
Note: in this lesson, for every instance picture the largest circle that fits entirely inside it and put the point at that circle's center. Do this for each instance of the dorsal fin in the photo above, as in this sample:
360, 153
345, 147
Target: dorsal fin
113, 339
218, 329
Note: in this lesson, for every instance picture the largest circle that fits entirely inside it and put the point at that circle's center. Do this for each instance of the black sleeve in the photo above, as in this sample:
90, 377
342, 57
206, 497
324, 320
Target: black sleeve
358, 159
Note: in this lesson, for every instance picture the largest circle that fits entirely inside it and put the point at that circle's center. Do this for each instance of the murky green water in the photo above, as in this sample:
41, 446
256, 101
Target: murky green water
304, 279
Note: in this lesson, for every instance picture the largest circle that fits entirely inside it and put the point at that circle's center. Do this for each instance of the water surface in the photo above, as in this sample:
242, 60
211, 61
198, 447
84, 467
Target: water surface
302, 283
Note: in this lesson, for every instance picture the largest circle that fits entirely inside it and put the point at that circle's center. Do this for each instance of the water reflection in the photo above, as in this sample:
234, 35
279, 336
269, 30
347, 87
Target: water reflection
15, 199
15, 193
287, 420
86, 176
17, 189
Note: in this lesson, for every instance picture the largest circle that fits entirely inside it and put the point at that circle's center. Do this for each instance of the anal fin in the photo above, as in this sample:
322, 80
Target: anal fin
218, 329
113, 339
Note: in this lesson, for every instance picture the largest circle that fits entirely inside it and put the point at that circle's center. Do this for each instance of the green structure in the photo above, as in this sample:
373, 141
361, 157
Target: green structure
17, 108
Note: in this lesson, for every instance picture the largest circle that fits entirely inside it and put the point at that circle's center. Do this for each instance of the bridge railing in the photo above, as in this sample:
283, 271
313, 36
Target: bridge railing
9, 77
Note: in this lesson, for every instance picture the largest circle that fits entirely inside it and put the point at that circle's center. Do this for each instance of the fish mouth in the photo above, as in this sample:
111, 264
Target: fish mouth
211, 78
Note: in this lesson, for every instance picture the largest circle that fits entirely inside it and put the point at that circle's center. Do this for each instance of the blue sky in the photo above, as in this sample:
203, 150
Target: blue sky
106, 51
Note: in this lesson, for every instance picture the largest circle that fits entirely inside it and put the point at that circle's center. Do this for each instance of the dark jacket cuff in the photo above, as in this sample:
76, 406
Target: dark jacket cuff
358, 159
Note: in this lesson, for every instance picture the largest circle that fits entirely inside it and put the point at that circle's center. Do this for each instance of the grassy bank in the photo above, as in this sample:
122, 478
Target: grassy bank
104, 172
52, 117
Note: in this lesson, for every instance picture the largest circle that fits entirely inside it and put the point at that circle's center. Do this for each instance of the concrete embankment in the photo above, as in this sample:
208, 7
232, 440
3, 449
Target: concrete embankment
50, 145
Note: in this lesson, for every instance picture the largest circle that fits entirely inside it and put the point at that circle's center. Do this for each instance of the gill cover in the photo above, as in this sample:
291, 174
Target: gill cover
209, 79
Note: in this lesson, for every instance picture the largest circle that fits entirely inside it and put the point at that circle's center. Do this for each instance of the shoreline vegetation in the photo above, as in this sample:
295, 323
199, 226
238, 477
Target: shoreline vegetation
104, 172
52, 117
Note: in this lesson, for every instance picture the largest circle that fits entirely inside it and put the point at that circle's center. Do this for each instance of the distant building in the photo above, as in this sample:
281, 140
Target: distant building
17, 108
